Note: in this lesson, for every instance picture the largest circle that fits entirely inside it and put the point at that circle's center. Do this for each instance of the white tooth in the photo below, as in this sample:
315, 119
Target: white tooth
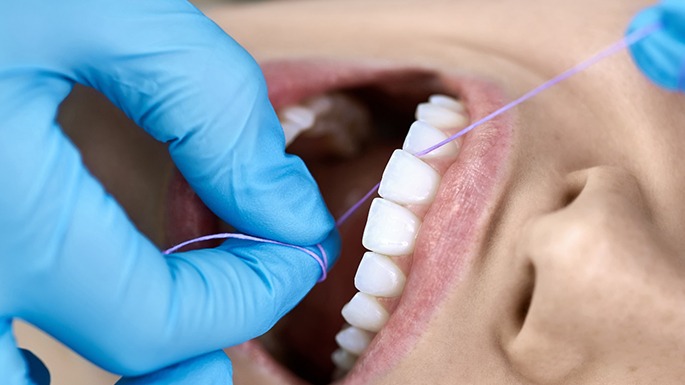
294, 120
447, 102
440, 117
342, 124
378, 275
421, 136
353, 339
408, 180
320, 104
343, 359
390, 228
302, 116
364, 312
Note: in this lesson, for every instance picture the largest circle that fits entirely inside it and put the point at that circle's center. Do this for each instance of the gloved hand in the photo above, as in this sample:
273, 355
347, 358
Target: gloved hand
71, 262
661, 55
210, 369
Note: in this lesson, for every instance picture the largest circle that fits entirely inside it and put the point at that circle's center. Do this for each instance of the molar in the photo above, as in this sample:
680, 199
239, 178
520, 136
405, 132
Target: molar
408, 180
378, 275
364, 312
390, 228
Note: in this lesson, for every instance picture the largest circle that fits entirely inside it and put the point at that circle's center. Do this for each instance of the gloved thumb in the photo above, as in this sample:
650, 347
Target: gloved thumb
661, 55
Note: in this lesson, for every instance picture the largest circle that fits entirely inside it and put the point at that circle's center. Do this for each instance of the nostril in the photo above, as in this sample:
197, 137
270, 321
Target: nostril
574, 184
526, 295
571, 195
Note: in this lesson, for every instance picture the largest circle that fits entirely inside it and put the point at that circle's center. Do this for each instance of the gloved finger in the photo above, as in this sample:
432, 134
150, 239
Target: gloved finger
94, 282
661, 55
210, 369
186, 82
19, 366
102, 288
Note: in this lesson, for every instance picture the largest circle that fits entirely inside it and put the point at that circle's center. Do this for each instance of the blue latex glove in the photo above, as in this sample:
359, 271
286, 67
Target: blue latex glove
209, 369
661, 56
71, 262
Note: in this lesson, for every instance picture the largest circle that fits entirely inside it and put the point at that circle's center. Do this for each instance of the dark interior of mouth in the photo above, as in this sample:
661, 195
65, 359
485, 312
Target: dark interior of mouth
304, 339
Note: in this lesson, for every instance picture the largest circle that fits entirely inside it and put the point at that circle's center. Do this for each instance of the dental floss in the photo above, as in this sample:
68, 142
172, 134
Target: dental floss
322, 261
624, 43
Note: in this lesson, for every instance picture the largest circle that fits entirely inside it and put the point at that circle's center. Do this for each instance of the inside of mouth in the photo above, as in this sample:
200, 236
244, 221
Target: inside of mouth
304, 340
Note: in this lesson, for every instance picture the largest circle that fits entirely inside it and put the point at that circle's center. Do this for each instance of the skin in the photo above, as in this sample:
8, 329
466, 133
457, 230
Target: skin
589, 221
582, 280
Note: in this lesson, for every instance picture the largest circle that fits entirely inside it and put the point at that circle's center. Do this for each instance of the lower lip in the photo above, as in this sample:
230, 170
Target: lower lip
452, 229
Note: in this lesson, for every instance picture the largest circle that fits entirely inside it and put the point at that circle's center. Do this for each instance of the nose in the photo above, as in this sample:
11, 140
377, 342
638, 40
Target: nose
603, 281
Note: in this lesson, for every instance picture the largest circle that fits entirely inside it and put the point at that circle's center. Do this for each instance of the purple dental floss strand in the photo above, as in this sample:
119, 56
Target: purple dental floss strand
627, 41
624, 43
322, 261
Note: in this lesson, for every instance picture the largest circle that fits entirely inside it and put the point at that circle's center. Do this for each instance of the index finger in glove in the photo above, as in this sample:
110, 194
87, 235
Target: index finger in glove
188, 84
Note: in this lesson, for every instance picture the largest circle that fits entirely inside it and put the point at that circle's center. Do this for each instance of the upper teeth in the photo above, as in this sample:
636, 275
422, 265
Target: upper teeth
378, 275
392, 226
391, 229
440, 116
447, 102
353, 339
422, 135
408, 180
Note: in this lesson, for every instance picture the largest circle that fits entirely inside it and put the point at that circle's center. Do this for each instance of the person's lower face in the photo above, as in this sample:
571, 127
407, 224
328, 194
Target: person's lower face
539, 248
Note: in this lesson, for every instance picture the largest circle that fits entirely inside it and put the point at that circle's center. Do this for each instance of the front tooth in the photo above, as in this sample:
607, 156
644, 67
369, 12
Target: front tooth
447, 102
439, 116
353, 339
364, 312
390, 228
408, 180
422, 135
294, 120
343, 359
378, 275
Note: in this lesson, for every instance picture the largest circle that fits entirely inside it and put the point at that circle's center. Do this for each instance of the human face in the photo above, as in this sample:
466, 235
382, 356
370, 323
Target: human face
551, 253
568, 269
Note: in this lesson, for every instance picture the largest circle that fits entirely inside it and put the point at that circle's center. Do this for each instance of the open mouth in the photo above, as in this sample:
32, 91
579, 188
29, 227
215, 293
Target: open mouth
345, 121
